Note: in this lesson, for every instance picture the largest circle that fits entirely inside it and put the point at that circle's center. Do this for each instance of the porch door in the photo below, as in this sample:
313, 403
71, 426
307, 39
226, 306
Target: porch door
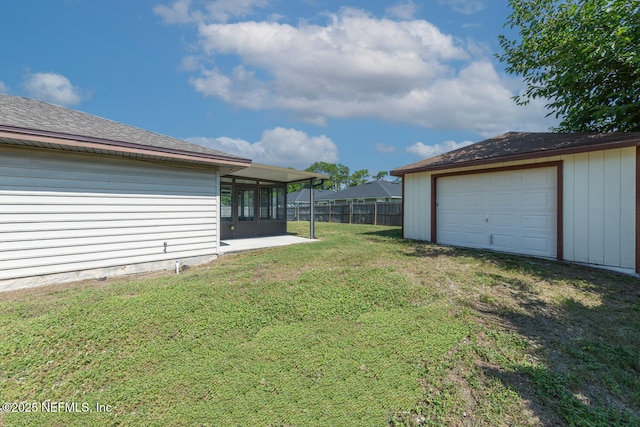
246, 218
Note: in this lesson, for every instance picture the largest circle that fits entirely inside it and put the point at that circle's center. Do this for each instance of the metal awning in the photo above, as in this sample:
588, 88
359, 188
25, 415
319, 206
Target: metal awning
276, 174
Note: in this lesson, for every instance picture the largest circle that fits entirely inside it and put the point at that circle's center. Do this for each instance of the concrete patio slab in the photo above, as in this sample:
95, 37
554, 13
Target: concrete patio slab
241, 245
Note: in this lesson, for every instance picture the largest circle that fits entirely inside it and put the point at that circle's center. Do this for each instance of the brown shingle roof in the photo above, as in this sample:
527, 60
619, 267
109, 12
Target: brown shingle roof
522, 145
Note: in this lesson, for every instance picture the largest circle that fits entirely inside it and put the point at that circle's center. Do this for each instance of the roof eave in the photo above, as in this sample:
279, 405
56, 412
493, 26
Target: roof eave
64, 142
524, 156
277, 174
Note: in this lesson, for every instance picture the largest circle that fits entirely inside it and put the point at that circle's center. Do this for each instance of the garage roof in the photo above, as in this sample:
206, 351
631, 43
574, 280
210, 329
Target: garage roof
522, 145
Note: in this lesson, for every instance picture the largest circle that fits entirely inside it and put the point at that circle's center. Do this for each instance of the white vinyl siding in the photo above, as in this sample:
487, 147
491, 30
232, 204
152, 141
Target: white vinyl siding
63, 212
417, 206
599, 204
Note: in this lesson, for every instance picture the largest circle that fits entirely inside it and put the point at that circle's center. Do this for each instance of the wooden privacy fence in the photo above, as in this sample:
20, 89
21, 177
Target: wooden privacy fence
378, 213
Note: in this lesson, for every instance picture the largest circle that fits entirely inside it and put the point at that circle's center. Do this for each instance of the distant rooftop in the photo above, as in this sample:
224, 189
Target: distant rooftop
302, 196
373, 189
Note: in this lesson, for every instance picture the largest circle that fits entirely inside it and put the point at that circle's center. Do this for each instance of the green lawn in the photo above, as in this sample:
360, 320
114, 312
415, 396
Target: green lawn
361, 328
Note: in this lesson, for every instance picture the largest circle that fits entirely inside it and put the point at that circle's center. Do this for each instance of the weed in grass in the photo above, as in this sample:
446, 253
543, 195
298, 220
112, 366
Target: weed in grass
554, 390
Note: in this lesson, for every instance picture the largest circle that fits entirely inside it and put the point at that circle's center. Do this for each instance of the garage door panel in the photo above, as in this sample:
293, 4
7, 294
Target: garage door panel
535, 245
543, 178
474, 239
536, 222
450, 218
470, 184
450, 187
504, 180
449, 236
451, 199
537, 200
501, 200
472, 219
502, 241
472, 200
511, 211
503, 220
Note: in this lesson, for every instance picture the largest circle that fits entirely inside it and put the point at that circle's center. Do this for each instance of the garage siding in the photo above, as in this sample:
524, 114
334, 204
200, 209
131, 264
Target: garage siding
599, 202
63, 212
417, 206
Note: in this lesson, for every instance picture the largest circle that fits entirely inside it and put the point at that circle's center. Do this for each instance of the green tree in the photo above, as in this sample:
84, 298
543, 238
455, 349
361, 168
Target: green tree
380, 175
358, 177
337, 172
296, 187
580, 55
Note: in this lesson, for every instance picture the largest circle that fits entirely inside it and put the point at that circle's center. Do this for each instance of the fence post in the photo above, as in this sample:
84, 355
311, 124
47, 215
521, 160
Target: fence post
351, 213
375, 213
312, 213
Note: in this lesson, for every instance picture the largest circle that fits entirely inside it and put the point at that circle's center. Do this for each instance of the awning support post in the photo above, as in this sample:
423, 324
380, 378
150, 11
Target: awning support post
312, 202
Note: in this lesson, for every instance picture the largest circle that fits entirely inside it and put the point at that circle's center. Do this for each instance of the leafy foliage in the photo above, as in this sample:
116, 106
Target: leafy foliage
582, 56
339, 176
359, 177
380, 175
338, 173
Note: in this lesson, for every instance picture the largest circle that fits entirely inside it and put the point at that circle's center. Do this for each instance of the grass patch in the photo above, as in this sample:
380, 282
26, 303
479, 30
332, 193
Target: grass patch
360, 328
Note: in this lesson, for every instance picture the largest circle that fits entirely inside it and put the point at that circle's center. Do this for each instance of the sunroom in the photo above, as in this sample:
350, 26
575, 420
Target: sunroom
253, 200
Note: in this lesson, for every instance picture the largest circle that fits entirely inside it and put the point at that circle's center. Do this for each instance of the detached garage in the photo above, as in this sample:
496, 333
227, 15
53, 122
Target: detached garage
572, 197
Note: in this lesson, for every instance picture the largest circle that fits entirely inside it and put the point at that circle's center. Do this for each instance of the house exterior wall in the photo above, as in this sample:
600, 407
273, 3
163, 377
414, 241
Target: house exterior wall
67, 216
599, 206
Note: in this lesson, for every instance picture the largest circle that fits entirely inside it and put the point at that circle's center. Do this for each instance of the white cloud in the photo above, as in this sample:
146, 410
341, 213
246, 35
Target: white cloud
4, 88
403, 10
279, 146
177, 13
384, 148
356, 65
182, 12
466, 7
223, 10
52, 87
425, 151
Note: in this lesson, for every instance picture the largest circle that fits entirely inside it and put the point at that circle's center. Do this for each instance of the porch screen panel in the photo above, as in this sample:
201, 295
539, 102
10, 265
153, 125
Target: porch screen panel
246, 205
265, 203
279, 208
225, 202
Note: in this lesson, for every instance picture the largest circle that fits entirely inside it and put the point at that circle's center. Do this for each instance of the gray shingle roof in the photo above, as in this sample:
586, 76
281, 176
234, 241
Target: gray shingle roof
522, 145
370, 190
302, 196
32, 115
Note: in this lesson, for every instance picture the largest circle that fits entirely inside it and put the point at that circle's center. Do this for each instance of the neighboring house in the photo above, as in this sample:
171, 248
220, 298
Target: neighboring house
302, 197
85, 197
574, 197
371, 192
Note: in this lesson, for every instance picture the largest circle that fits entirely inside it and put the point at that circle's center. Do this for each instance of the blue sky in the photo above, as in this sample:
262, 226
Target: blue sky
370, 84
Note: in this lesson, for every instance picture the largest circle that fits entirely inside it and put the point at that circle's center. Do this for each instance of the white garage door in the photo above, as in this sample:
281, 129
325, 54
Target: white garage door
512, 211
